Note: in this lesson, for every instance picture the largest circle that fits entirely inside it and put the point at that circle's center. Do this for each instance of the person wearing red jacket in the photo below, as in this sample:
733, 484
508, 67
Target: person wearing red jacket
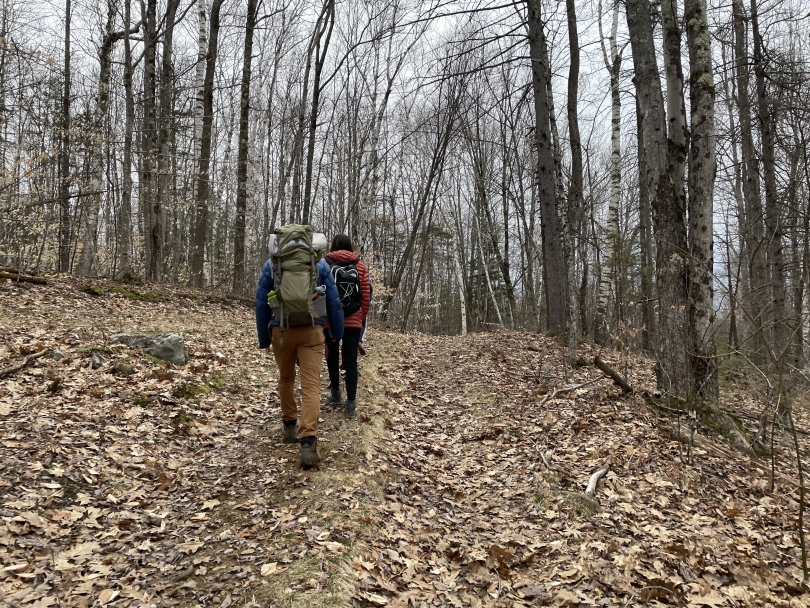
341, 256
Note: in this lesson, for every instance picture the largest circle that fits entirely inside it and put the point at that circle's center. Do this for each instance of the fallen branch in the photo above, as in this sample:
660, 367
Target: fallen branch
18, 366
596, 476
610, 373
13, 270
22, 277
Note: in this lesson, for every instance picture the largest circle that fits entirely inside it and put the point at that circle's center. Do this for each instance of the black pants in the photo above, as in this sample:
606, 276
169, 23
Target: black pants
348, 349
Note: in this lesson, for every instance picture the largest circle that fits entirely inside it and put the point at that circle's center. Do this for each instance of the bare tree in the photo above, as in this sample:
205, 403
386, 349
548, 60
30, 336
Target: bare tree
64, 156
702, 171
203, 169
242, 165
669, 212
555, 274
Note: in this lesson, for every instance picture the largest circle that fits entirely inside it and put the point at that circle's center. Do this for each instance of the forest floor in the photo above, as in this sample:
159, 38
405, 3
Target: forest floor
459, 484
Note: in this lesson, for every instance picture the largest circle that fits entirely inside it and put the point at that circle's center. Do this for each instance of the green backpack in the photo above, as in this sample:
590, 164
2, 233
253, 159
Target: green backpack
296, 264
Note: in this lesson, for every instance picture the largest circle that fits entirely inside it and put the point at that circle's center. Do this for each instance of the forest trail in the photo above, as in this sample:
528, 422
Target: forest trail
459, 483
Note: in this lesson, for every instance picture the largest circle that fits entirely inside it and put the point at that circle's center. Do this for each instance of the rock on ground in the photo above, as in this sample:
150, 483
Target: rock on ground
166, 346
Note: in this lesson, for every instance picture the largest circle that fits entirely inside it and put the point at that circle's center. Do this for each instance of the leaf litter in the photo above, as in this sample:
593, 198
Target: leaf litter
461, 483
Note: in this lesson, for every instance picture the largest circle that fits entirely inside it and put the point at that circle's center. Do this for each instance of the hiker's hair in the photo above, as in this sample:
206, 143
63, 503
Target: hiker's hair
341, 242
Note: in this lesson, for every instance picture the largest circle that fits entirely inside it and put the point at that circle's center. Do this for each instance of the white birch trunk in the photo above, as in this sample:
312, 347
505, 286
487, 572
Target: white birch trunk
202, 49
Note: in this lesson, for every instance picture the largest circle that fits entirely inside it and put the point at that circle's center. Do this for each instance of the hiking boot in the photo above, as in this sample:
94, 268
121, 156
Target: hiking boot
309, 452
361, 350
349, 408
290, 431
333, 397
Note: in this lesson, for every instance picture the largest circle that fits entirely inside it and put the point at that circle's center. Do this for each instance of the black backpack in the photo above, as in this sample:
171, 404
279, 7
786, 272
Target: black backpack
347, 280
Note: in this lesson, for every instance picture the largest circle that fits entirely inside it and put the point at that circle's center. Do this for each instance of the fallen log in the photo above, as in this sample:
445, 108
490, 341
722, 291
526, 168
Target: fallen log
610, 373
18, 366
13, 270
22, 277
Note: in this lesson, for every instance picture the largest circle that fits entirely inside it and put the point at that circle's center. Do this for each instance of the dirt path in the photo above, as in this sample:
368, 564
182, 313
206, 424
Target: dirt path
458, 484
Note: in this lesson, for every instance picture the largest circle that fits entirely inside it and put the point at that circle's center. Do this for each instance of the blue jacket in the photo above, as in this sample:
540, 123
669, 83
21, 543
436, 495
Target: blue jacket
334, 310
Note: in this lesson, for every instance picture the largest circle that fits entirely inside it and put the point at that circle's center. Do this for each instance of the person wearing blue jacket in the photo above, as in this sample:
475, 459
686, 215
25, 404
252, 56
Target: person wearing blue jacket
303, 344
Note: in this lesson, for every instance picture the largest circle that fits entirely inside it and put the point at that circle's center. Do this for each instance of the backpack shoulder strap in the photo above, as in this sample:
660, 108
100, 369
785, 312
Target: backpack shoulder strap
329, 260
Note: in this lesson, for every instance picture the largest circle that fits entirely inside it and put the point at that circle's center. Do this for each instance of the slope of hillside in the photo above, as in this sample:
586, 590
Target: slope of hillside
460, 483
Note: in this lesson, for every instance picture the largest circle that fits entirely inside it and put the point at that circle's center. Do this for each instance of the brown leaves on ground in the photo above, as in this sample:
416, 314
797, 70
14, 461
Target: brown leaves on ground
454, 487
479, 517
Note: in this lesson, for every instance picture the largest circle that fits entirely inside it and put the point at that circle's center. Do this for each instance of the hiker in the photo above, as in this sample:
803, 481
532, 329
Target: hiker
294, 279
351, 278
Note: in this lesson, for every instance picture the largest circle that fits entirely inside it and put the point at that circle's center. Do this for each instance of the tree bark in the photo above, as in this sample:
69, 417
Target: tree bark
146, 187
554, 263
125, 221
203, 169
677, 131
64, 156
242, 163
645, 242
610, 243
669, 213
575, 187
164, 128
702, 171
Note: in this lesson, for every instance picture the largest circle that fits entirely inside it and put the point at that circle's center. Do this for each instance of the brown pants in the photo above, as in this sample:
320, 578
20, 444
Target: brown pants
306, 345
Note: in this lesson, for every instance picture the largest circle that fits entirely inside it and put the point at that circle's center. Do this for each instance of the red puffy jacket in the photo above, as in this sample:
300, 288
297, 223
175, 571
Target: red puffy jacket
355, 320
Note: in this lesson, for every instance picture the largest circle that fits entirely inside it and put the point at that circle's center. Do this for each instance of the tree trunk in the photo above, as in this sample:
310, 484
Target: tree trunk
702, 171
773, 210
64, 157
125, 221
752, 232
610, 244
203, 169
324, 28
677, 131
165, 126
645, 242
669, 213
98, 137
553, 255
199, 81
575, 187
146, 187
242, 163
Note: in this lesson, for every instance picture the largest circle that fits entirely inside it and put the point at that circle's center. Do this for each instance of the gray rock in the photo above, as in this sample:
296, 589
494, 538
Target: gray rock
166, 346
96, 361
56, 355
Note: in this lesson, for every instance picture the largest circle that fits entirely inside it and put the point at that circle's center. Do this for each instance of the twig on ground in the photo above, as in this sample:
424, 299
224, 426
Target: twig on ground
18, 366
